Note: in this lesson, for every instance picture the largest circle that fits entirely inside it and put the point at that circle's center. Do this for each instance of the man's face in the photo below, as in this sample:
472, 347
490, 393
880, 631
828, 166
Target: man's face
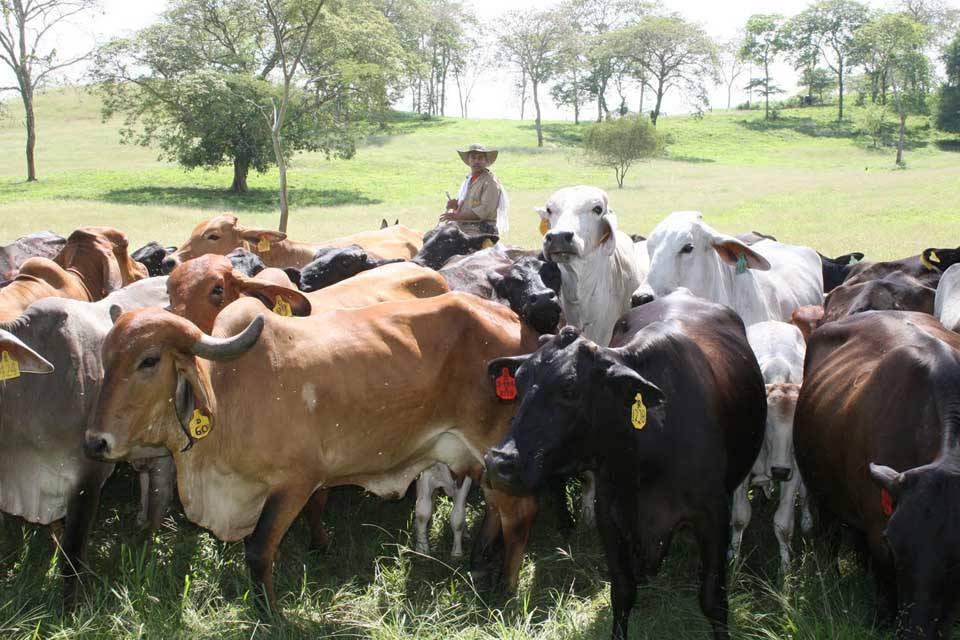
477, 160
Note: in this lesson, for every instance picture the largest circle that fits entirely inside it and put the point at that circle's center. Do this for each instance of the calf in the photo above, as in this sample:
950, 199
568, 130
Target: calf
447, 240
373, 424
44, 475
670, 418
946, 304
836, 270
779, 348
881, 388
151, 256
43, 244
896, 291
333, 265
764, 281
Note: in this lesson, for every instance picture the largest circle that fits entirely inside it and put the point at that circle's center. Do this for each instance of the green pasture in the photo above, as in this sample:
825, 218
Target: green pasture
803, 178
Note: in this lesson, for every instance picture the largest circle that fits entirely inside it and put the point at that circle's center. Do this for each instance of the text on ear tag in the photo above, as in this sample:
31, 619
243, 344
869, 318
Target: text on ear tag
199, 425
886, 503
638, 413
741, 264
544, 226
263, 246
9, 367
282, 308
506, 385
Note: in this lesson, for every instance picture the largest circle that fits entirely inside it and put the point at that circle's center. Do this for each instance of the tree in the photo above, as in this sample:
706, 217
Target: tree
826, 31
817, 81
620, 142
948, 112
571, 83
532, 40
467, 70
730, 65
674, 53
898, 41
23, 38
763, 40
198, 82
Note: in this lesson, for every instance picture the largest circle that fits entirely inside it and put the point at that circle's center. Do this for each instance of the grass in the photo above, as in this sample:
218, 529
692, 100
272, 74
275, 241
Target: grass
803, 177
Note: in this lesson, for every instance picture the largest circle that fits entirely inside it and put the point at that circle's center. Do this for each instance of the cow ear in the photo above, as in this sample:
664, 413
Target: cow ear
294, 274
115, 312
544, 339
496, 367
193, 393
731, 250
632, 383
14, 351
487, 240
886, 478
542, 211
608, 233
280, 299
258, 235
383, 223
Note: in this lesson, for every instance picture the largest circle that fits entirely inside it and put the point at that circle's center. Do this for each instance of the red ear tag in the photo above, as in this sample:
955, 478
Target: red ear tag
506, 385
886, 503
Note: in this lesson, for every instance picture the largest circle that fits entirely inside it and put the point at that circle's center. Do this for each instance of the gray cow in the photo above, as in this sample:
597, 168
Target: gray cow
44, 475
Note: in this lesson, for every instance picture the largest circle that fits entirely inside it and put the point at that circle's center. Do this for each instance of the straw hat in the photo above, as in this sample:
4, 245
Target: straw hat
491, 153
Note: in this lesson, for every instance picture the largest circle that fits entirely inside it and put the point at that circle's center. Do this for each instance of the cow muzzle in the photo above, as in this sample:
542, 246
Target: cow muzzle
169, 264
781, 474
98, 446
543, 312
560, 246
503, 465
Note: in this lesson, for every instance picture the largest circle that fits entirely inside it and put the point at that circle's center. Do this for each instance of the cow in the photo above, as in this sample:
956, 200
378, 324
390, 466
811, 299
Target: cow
43, 244
333, 265
779, 348
670, 417
600, 267
367, 397
223, 233
836, 270
246, 262
927, 267
896, 291
44, 475
92, 263
447, 240
151, 256
764, 281
876, 438
946, 305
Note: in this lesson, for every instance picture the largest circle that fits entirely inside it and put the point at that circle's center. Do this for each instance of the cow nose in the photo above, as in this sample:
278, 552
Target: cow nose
783, 474
96, 447
543, 298
564, 237
639, 299
501, 466
168, 264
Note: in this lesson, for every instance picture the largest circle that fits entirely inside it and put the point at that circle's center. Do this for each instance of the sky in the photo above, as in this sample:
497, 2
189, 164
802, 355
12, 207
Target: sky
494, 96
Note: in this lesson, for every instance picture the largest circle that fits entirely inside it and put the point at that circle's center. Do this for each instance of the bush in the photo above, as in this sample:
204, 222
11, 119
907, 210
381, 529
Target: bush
948, 111
746, 106
619, 143
875, 121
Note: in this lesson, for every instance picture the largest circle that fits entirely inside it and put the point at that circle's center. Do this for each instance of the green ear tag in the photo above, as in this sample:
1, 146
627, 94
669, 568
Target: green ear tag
741, 264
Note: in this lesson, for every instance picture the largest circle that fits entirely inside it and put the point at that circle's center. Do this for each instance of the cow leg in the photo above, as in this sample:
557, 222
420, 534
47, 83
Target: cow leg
279, 512
557, 488
806, 518
588, 498
458, 516
424, 510
713, 534
617, 549
516, 514
160, 475
783, 519
313, 512
81, 510
885, 581
144, 477
741, 517
481, 555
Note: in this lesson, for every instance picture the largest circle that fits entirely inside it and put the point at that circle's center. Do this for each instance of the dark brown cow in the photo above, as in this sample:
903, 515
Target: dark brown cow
895, 291
882, 388
367, 397
43, 244
927, 267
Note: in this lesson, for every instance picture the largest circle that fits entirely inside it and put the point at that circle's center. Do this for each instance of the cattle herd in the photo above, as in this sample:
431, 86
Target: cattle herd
672, 373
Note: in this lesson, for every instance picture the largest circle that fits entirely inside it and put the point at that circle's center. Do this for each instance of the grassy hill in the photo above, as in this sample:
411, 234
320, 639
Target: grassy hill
803, 178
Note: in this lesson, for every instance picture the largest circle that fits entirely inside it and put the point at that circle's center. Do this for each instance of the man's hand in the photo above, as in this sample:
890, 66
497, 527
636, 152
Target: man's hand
452, 204
450, 216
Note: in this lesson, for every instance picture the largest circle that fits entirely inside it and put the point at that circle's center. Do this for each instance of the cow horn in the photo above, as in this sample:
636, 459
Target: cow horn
229, 348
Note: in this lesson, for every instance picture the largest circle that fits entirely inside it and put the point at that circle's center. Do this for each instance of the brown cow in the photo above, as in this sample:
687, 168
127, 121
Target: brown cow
896, 291
200, 288
257, 421
222, 234
93, 263
881, 388
927, 266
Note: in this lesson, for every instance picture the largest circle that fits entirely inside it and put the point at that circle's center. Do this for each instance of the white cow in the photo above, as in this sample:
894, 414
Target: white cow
600, 267
764, 281
946, 304
780, 350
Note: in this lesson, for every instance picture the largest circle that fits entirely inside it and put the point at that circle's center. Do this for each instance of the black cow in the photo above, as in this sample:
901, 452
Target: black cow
246, 262
331, 265
883, 388
151, 256
45, 244
835, 270
927, 267
896, 291
671, 418
447, 240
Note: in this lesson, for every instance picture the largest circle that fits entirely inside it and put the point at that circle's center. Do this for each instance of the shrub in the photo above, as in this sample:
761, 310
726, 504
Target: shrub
620, 142
874, 121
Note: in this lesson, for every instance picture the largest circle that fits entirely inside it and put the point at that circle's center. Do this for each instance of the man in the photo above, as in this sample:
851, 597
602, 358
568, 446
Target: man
481, 205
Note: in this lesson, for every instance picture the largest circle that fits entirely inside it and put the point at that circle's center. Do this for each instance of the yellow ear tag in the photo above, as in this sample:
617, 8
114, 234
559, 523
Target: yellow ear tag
487, 244
638, 414
199, 425
934, 257
282, 308
9, 367
544, 226
263, 246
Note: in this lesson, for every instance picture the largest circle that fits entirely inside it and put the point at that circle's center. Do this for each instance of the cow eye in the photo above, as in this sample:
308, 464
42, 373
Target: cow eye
549, 211
687, 248
217, 291
213, 237
598, 209
148, 362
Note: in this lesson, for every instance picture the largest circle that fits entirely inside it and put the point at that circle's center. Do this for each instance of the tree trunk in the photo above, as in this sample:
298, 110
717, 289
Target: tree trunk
576, 111
241, 167
903, 128
643, 87
766, 91
31, 131
536, 104
840, 83
656, 107
729, 94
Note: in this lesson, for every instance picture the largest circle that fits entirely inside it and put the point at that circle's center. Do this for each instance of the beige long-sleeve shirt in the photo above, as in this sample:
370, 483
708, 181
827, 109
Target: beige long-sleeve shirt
483, 196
